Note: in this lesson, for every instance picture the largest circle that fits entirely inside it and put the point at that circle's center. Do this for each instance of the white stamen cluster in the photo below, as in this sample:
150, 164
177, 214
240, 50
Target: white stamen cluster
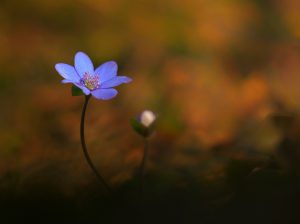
90, 81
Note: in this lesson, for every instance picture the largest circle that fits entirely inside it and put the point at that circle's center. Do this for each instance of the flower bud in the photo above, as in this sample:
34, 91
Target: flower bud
147, 118
144, 124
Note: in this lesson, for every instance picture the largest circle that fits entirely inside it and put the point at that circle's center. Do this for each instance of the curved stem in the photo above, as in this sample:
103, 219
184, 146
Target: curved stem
86, 154
143, 165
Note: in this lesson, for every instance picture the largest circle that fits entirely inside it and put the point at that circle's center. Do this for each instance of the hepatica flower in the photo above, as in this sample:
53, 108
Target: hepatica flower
98, 82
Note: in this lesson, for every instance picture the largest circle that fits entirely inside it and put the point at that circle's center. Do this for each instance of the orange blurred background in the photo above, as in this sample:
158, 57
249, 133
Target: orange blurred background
217, 73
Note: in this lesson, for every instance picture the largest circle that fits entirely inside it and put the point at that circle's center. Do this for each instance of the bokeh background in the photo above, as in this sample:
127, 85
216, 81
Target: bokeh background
222, 76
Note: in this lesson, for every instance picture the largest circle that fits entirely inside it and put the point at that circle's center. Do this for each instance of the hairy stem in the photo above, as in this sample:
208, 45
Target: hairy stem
85, 151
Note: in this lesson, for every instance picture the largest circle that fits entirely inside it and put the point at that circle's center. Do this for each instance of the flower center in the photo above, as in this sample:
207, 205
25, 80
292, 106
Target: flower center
90, 81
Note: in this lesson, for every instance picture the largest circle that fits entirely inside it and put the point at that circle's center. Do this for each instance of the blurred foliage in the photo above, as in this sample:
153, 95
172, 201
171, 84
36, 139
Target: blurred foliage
223, 76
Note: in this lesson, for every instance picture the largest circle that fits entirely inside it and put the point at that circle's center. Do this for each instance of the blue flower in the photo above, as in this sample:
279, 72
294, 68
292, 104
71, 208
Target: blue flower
97, 82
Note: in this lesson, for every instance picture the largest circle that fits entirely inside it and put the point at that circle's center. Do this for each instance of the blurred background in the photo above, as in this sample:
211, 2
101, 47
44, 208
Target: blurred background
223, 77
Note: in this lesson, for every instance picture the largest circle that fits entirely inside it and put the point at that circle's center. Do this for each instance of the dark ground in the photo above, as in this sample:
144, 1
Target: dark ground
266, 195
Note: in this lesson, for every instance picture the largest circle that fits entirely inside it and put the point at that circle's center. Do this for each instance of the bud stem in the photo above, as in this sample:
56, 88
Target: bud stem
143, 166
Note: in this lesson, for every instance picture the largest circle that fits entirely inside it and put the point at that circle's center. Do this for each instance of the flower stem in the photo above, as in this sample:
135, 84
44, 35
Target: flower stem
143, 166
85, 151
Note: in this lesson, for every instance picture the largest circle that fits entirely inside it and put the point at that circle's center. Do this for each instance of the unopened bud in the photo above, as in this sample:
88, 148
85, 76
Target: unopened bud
147, 118
145, 123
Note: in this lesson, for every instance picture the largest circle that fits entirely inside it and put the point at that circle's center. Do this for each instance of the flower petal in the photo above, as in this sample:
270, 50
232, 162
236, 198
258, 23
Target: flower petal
83, 64
67, 81
85, 90
67, 71
104, 94
115, 81
107, 71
